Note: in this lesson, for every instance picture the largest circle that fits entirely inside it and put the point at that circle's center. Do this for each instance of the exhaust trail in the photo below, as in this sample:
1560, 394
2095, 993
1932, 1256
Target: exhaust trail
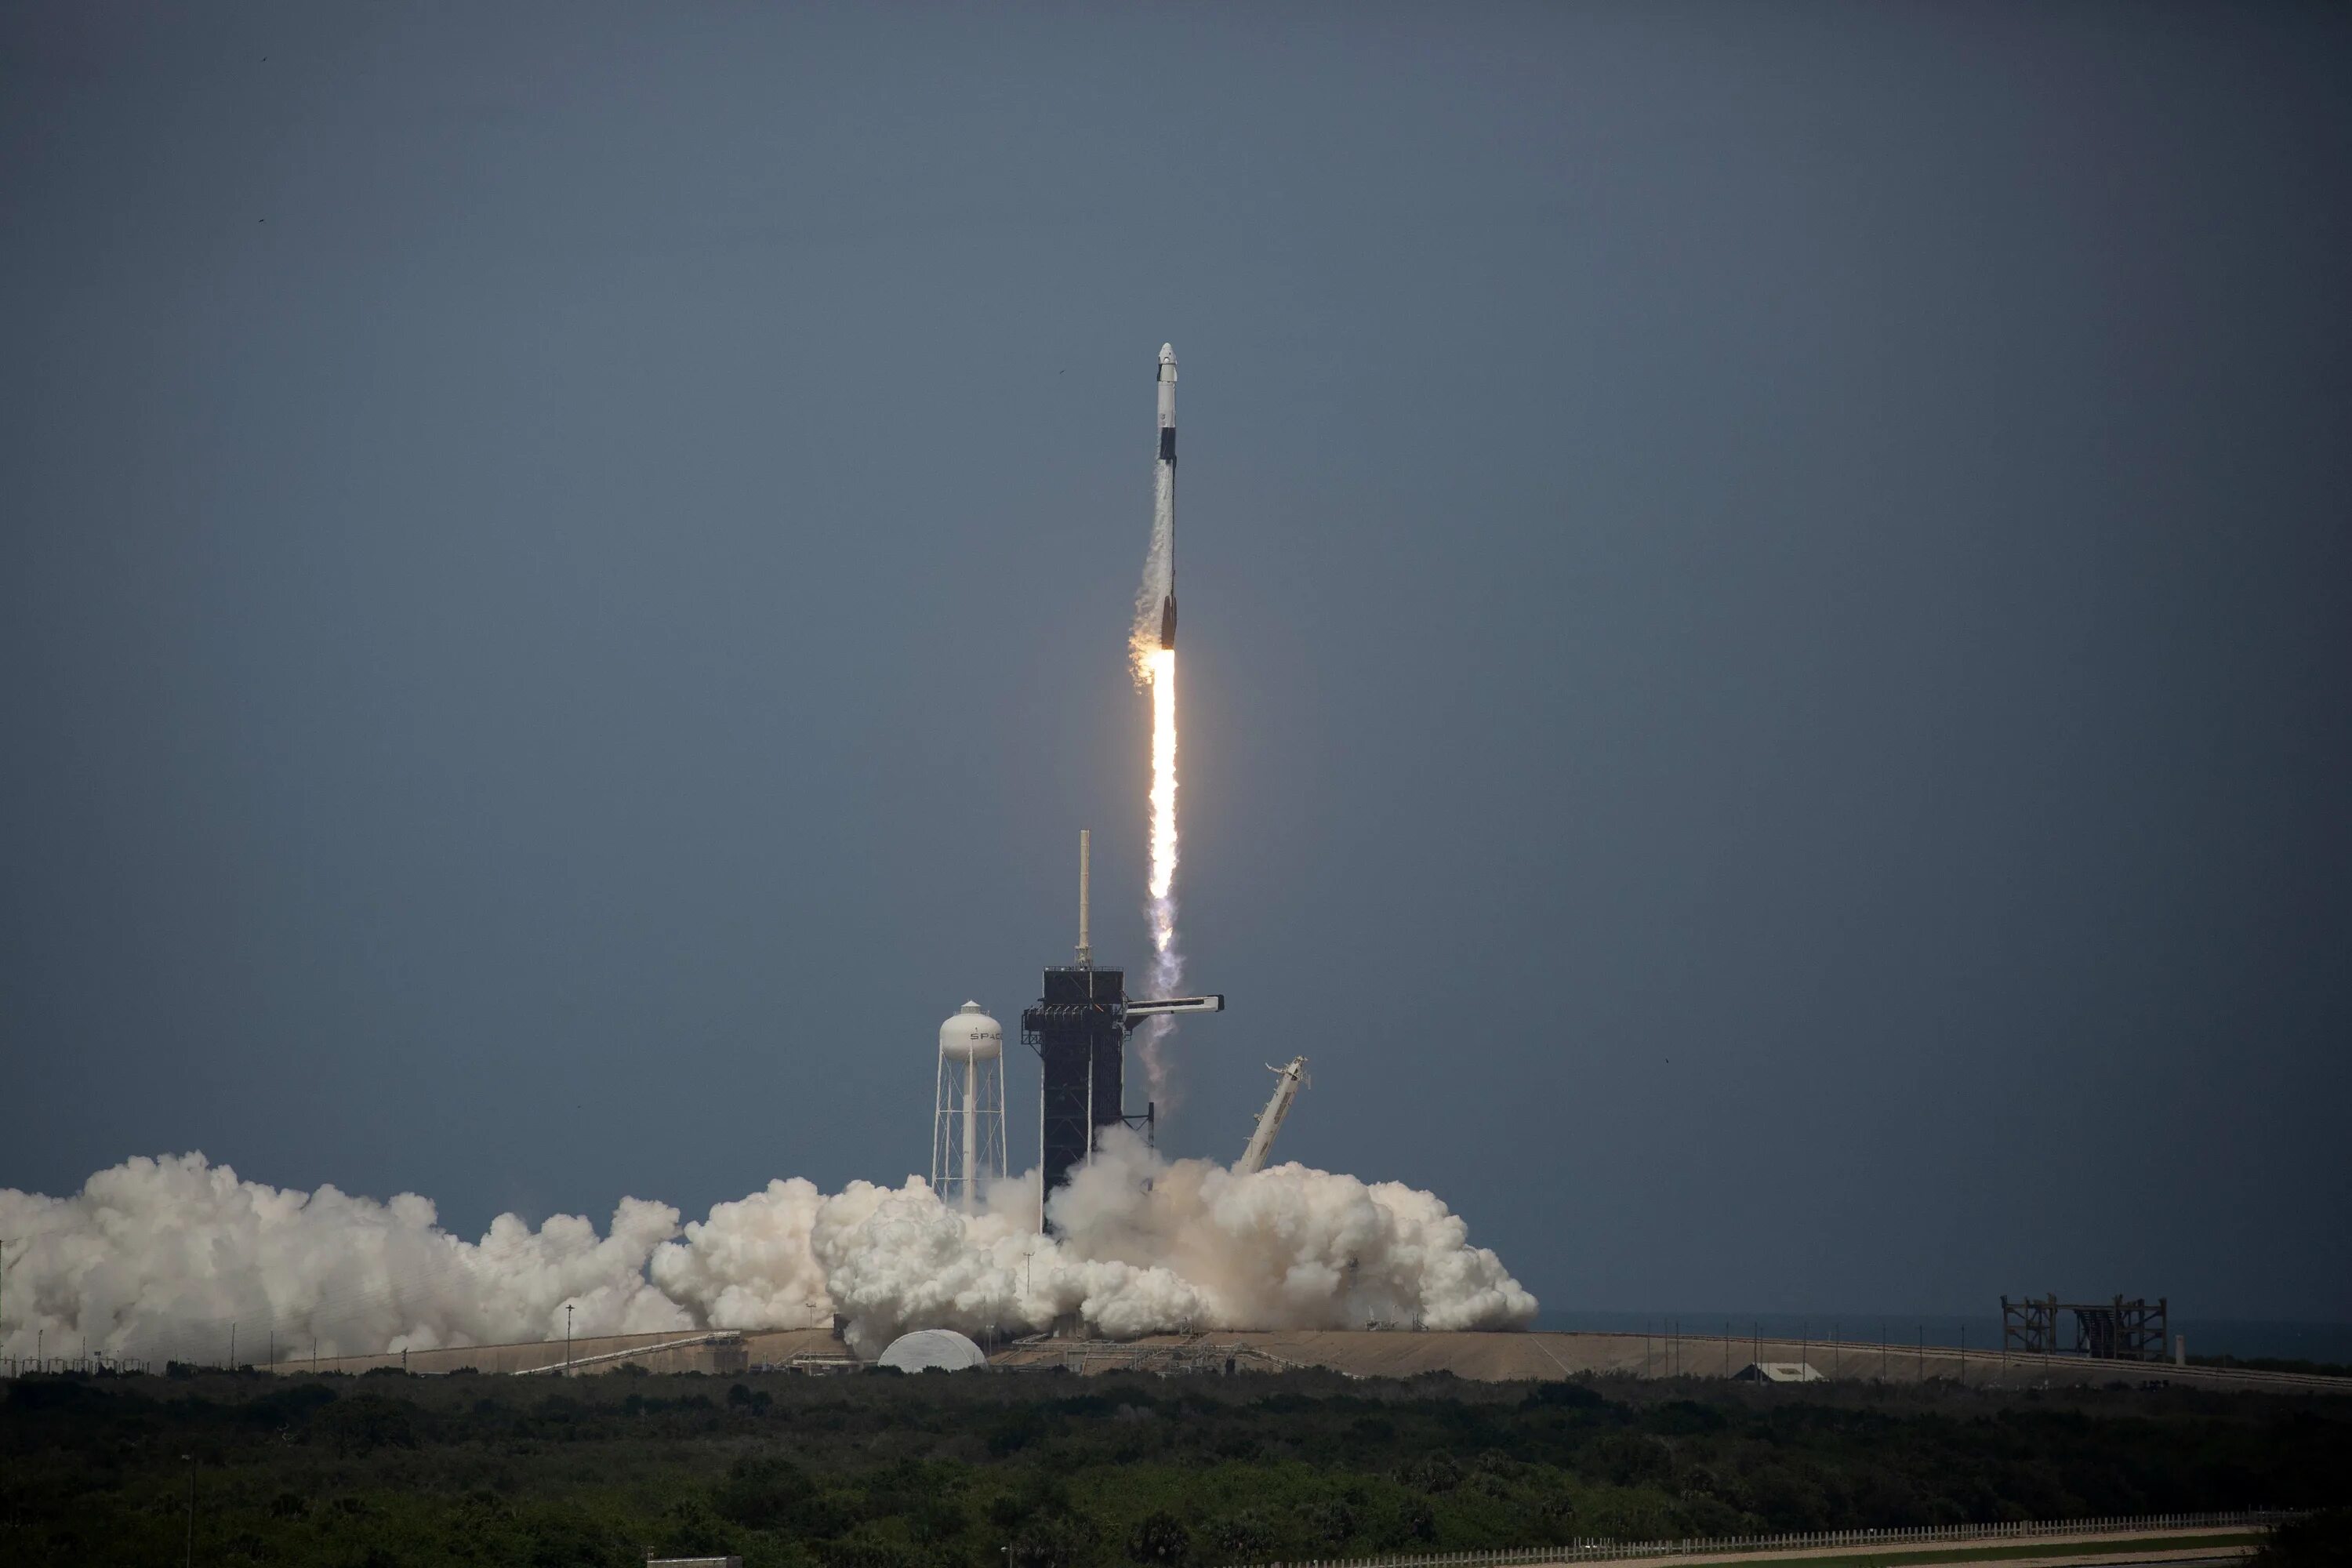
1151, 654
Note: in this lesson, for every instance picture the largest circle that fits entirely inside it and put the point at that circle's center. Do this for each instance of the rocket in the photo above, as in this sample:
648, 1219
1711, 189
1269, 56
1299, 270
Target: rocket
1163, 489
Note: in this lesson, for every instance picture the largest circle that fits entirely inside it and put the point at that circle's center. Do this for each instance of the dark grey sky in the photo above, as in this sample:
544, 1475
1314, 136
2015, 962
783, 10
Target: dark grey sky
1765, 601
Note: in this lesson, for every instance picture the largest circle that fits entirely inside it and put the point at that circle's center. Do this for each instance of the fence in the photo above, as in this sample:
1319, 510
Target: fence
70, 1365
1819, 1540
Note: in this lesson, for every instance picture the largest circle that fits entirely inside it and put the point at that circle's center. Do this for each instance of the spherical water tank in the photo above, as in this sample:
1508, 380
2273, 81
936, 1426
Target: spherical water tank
927, 1348
971, 1035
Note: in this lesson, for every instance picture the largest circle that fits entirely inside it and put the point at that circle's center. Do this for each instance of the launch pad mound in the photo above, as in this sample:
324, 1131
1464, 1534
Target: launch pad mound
1528, 1356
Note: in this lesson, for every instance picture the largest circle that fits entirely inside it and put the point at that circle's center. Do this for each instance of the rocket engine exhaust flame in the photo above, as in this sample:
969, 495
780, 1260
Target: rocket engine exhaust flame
1167, 958
1151, 653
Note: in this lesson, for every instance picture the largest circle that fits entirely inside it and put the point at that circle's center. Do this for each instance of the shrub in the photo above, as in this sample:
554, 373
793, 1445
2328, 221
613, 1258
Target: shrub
1430, 1472
2322, 1540
1329, 1523
1244, 1537
762, 1493
1056, 1540
1160, 1537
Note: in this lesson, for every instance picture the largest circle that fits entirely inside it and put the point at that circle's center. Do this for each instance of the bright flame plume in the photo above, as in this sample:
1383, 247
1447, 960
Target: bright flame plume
1167, 958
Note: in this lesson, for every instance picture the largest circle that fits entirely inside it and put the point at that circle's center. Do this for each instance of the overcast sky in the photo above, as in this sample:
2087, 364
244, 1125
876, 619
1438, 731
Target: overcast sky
1765, 599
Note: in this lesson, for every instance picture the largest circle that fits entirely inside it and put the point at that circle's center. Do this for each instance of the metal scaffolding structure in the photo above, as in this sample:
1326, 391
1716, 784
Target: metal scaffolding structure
2114, 1330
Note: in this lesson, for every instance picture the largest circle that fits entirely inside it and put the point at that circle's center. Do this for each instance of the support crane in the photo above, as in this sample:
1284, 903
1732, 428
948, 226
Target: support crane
1287, 1081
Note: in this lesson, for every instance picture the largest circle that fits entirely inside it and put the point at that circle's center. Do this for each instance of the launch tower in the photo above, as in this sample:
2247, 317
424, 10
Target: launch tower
1079, 1029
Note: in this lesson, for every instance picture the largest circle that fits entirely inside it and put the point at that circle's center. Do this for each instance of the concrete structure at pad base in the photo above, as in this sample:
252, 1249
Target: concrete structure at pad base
1780, 1372
1535, 1356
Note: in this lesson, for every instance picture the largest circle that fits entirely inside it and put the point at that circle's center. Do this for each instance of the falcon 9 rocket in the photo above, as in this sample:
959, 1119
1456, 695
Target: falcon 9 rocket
1163, 489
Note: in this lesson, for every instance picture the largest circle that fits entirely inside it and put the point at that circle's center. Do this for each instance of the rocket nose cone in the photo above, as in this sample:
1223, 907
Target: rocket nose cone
1167, 353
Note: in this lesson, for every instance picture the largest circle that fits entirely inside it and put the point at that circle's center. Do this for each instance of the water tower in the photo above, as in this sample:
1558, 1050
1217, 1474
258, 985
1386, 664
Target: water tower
968, 1128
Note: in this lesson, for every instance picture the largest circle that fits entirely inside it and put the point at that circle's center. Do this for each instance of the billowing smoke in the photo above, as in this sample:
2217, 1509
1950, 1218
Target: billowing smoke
156, 1259
159, 1257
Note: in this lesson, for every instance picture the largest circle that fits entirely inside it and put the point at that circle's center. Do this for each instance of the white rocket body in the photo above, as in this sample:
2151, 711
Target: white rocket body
1163, 489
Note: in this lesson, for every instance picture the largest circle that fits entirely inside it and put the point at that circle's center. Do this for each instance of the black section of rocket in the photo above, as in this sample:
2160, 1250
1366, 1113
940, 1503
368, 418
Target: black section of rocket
1166, 379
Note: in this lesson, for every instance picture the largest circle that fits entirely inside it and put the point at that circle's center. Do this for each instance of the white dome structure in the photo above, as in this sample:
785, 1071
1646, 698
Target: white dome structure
968, 1113
926, 1349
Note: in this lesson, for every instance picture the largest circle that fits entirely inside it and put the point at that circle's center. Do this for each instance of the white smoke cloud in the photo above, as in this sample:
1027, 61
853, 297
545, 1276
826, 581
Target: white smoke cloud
158, 1257
154, 1259
749, 1265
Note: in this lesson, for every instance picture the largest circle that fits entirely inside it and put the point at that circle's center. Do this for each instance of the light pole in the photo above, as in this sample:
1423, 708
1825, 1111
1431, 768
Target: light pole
567, 1339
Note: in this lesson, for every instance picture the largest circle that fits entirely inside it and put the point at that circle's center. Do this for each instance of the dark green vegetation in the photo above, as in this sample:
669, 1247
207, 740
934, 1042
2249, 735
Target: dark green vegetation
942, 1471
2323, 1541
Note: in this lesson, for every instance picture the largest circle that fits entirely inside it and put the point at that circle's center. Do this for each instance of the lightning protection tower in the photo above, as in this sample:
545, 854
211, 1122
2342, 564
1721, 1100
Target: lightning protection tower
968, 1127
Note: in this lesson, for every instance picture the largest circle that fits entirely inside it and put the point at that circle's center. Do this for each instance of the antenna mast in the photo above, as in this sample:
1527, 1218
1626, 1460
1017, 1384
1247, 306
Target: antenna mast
1085, 850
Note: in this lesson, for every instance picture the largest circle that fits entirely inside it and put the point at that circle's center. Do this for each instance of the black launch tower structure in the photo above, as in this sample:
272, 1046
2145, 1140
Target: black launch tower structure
1079, 1029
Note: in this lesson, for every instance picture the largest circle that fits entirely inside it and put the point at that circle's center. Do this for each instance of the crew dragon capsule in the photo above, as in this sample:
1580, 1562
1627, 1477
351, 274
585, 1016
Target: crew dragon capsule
1163, 489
